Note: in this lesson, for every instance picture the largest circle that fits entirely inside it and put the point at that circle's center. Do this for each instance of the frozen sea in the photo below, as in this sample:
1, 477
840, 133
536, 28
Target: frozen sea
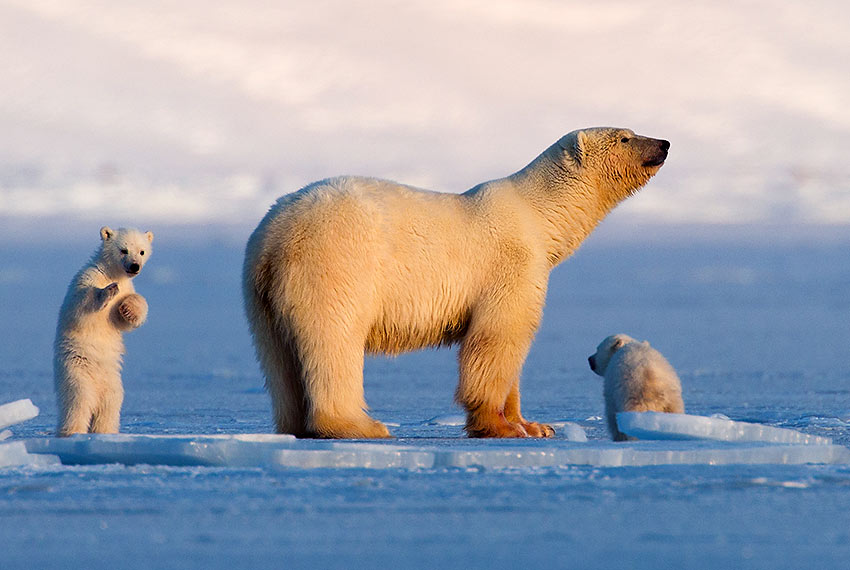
757, 327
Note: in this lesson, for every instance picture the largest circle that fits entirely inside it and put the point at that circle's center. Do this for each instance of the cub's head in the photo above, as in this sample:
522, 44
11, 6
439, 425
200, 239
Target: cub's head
125, 249
616, 161
606, 349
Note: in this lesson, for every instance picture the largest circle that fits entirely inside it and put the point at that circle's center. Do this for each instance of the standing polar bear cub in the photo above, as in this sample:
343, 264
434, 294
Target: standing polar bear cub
348, 266
637, 379
100, 304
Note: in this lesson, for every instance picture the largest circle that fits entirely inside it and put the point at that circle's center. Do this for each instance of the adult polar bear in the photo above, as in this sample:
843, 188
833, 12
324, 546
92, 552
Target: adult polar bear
352, 265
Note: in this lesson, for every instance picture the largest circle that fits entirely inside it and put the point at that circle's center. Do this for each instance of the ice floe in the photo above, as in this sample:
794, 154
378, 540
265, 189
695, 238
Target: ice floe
17, 412
280, 451
712, 441
655, 425
15, 453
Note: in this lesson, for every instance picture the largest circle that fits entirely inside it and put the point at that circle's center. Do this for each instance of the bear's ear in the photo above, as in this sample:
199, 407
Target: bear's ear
619, 343
575, 145
106, 233
149, 235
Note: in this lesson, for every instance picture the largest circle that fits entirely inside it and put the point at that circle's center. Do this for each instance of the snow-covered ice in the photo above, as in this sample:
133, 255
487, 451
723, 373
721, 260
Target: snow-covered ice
17, 412
447, 420
570, 431
15, 453
656, 425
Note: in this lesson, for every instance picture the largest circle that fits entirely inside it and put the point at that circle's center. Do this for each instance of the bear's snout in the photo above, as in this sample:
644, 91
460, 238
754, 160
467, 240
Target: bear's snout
592, 361
656, 156
134, 268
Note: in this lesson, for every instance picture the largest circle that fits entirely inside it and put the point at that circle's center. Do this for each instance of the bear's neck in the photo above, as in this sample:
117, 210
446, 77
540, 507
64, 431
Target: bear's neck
570, 207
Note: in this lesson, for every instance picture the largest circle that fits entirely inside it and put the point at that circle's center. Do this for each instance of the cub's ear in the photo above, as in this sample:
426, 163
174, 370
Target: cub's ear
149, 235
575, 145
106, 233
618, 343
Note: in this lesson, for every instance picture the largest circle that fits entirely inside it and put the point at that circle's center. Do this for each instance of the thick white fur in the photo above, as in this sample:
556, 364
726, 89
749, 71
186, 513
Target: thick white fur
350, 265
637, 379
100, 304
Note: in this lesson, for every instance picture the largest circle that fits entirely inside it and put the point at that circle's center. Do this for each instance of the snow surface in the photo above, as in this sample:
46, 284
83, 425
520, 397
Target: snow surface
756, 331
655, 425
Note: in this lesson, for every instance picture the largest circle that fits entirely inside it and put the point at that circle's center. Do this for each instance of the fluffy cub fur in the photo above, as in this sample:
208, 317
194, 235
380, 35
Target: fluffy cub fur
100, 304
637, 379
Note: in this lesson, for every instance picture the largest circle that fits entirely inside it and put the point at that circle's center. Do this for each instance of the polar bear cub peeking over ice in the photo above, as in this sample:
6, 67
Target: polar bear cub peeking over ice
100, 304
351, 266
637, 379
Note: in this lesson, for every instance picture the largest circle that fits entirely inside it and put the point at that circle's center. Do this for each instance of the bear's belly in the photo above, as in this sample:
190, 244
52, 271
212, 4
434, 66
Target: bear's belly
394, 336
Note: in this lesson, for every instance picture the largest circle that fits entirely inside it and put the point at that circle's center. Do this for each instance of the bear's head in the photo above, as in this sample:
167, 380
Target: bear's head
125, 249
613, 159
606, 349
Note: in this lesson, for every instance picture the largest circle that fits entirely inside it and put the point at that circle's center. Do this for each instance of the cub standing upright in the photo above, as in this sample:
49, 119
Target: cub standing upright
99, 306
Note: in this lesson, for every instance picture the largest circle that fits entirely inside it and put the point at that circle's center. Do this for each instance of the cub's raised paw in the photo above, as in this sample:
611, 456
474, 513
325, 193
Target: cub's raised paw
132, 311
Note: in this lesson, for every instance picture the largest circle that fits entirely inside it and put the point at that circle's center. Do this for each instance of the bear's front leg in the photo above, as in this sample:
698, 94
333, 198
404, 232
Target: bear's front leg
491, 357
513, 414
488, 366
130, 312
102, 297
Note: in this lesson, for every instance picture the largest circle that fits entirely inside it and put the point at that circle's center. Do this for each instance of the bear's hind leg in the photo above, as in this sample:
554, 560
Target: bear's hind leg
284, 384
75, 412
333, 381
107, 415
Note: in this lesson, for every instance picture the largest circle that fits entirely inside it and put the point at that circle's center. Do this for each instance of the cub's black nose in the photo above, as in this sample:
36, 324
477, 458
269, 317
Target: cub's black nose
134, 268
592, 362
665, 145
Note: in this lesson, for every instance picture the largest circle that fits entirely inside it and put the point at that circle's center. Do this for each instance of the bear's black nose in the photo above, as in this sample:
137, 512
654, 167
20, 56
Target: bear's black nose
592, 362
134, 268
665, 145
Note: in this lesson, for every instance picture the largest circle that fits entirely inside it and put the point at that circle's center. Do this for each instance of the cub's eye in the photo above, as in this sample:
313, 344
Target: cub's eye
142, 252
124, 251
624, 140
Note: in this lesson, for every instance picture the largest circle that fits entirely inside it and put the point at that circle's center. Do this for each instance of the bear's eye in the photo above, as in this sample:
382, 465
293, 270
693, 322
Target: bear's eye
624, 140
142, 252
124, 251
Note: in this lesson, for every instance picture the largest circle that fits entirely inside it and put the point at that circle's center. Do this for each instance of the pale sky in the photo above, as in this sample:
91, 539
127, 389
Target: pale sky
204, 112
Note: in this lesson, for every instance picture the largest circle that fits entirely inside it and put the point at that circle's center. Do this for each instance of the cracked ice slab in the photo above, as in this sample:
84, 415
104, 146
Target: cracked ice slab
656, 425
281, 451
17, 412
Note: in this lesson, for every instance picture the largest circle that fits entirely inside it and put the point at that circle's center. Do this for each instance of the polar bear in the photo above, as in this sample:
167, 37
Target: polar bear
352, 265
100, 304
637, 379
